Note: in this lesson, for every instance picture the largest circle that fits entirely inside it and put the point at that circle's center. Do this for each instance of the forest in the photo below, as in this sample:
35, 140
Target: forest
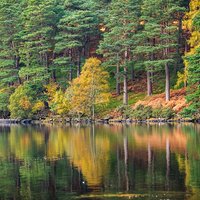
100, 58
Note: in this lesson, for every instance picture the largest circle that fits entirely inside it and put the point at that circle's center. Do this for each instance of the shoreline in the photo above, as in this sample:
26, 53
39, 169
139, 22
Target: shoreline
97, 121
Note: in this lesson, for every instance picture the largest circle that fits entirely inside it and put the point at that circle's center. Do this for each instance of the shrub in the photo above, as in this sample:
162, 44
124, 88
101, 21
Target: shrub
125, 110
157, 113
141, 112
193, 111
168, 113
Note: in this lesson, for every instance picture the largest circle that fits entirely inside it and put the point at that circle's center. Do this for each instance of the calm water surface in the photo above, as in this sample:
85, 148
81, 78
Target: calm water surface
142, 162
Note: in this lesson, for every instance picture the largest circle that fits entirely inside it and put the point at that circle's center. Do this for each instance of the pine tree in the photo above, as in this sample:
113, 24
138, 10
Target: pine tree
118, 40
159, 38
76, 27
9, 50
40, 20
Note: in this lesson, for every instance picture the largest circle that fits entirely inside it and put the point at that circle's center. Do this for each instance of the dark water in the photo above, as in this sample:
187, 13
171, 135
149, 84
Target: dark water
103, 162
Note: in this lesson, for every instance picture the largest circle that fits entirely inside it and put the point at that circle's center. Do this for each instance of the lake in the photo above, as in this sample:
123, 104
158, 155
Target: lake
142, 162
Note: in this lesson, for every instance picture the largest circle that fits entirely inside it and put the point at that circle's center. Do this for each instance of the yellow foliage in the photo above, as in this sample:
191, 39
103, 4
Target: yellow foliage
51, 89
58, 101
25, 103
38, 106
194, 40
182, 77
62, 103
90, 88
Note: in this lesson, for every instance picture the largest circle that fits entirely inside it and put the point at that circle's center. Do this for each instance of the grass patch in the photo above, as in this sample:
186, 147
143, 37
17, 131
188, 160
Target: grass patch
117, 101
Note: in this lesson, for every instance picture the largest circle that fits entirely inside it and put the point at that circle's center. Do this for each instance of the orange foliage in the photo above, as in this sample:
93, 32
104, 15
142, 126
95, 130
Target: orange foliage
177, 102
25, 103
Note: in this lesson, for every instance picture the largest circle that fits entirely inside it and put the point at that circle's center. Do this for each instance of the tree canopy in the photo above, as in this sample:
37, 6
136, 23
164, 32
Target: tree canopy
71, 56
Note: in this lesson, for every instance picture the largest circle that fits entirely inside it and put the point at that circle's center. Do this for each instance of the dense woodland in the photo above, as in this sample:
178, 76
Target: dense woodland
72, 57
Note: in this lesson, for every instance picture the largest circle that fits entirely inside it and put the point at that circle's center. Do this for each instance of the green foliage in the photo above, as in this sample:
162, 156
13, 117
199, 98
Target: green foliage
142, 112
125, 110
75, 28
192, 60
9, 41
48, 41
166, 113
4, 102
26, 101
157, 40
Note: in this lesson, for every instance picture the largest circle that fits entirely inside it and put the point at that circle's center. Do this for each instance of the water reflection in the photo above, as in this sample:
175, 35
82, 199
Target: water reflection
44, 162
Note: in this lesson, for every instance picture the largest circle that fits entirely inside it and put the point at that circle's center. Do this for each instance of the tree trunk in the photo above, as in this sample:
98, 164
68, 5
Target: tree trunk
70, 73
93, 112
79, 65
54, 70
125, 97
117, 80
149, 84
132, 73
54, 75
17, 61
167, 84
179, 46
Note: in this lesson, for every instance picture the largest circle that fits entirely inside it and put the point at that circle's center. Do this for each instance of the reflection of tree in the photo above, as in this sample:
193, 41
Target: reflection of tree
113, 158
25, 143
192, 160
86, 151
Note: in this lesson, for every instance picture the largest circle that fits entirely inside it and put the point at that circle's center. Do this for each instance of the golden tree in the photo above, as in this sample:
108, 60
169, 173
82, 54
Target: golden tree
90, 89
58, 99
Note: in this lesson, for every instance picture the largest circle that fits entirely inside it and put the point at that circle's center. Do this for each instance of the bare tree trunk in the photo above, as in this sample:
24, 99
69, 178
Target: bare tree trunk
93, 112
17, 61
54, 75
79, 64
179, 46
167, 84
149, 83
70, 72
117, 80
125, 97
132, 73
150, 74
54, 70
